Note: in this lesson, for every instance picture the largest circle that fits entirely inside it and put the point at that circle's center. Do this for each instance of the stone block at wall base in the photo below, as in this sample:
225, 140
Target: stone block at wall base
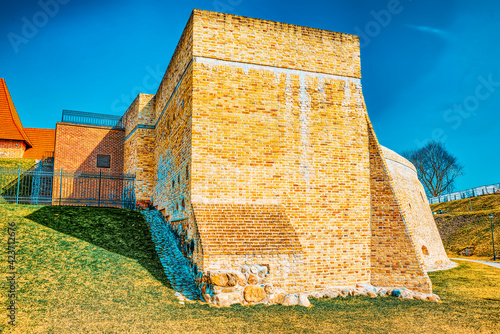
143, 204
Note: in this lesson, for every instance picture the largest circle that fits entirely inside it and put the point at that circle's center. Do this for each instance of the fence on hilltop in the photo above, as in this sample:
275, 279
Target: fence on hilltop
473, 192
39, 186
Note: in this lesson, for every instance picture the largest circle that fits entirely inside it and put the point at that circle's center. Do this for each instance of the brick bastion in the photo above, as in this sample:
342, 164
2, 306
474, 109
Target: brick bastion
258, 151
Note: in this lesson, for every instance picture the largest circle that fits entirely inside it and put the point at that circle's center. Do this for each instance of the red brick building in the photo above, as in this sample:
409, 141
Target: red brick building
81, 160
79, 147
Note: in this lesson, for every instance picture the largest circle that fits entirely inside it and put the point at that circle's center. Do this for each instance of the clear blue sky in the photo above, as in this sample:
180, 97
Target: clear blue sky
430, 68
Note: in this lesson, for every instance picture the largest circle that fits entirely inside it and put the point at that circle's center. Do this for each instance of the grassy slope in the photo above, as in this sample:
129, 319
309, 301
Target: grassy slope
461, 228
83, 270
483, 204
6, 163
8, 181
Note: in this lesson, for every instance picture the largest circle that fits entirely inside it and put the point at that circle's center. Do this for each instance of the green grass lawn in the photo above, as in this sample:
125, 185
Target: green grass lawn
94, 270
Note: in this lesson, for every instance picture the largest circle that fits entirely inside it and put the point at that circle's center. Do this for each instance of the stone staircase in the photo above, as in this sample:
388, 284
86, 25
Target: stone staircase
176, 267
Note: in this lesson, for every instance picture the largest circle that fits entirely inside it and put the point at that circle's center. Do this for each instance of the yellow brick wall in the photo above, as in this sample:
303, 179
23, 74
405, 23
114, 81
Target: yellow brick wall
172, 153
394, 258
419, 219
172, 157
255, 114
298, 139
271, 230
141, 111
176, 69
139, 121
249, 40
233, 235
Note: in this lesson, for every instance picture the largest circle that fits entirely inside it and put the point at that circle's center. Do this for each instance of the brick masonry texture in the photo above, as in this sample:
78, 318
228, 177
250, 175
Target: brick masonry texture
76, 150
276, 133
257, 148
139, 146
248, 40
413, 201
270, 145
394, 259
271, 231
77, 147
12, 148
176, 69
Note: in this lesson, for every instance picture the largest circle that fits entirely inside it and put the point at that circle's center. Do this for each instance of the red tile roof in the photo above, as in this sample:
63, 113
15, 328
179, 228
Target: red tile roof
43, 142
11, 127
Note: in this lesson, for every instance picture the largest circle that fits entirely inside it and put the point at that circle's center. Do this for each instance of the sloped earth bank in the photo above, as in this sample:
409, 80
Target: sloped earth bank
468, 234
447, 225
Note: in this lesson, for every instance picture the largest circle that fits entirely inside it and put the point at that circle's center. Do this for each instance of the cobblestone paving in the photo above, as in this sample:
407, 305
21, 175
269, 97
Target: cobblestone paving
175, 265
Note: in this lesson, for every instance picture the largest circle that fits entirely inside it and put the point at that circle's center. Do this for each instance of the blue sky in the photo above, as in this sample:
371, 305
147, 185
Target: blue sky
430, 68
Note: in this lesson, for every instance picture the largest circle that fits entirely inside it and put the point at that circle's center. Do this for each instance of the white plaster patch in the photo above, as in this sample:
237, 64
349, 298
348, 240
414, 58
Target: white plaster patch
277, 77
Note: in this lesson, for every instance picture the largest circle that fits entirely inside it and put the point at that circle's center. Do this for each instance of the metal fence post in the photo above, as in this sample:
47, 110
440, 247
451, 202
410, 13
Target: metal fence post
99, 196
18, 183
40, 187
493, 238
60, 188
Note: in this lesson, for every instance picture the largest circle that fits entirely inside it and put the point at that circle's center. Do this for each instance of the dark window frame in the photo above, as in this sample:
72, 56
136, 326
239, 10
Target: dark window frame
103, 161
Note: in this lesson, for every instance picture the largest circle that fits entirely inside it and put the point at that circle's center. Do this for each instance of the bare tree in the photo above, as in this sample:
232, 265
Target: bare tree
437, 169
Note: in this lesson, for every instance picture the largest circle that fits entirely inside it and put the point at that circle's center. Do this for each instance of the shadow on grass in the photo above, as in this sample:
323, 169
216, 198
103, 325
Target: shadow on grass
124, 232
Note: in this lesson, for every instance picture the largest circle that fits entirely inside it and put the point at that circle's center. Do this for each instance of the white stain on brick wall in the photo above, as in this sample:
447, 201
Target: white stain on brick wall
254, 67
305, 109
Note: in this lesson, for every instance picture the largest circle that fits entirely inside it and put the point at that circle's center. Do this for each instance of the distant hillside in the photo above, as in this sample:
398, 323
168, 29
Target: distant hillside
463, 229
480, 203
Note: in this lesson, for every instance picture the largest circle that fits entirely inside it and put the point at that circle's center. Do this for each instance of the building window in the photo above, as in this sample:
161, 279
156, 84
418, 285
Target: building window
173, 183
103, 161
183, 204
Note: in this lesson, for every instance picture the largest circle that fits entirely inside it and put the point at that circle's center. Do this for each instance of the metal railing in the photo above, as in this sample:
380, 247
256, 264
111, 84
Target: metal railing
39, 187
88, 118
478, 191
48, 154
